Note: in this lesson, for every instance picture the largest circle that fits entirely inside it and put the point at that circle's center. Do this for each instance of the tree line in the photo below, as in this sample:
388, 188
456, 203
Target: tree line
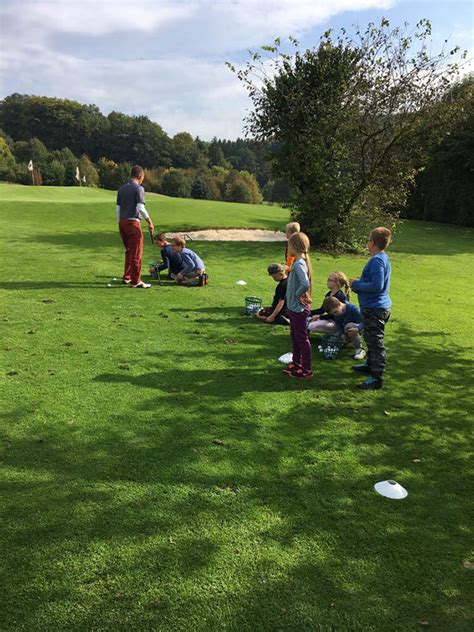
58, 135
363, 128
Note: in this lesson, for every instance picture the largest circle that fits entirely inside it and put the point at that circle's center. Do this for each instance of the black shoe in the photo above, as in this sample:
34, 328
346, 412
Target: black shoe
361, 368
372, 383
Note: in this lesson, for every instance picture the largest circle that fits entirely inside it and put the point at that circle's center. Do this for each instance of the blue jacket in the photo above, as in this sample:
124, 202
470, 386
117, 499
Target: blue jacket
351, 315
191, 261
373, 287
171, 260
298, 284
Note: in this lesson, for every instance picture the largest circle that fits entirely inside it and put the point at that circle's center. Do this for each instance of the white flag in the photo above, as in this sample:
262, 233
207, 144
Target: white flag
78, 175
30, 166
84, 179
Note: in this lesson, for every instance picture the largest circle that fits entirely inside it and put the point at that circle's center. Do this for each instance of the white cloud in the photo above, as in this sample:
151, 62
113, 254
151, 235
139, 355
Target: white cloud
164, 59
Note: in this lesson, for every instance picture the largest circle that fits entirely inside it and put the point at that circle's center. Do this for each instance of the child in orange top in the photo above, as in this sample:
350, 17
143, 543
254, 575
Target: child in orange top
290, 229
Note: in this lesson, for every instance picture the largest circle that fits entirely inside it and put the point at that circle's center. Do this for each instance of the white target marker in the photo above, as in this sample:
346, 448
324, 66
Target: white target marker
391, 489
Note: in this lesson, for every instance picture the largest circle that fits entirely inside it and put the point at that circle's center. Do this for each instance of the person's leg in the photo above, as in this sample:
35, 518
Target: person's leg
322, 327
352, 333
125, 239
302, 340
281, 320
192, 278
135, 242
294, 342
374, 329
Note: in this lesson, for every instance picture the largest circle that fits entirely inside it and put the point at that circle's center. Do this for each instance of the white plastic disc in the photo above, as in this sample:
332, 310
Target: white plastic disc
286, 358
241, 282
391, 489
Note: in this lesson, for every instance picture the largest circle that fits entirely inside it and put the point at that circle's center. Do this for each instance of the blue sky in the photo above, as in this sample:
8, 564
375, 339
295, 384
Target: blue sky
165, 58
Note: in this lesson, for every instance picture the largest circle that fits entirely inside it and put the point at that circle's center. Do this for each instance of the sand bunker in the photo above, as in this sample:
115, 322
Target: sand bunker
230, 234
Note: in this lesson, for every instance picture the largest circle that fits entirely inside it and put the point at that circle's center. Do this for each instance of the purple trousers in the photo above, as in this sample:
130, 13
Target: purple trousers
300, 343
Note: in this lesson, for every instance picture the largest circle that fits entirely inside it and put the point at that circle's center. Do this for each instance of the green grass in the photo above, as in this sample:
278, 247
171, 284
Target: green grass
119, 512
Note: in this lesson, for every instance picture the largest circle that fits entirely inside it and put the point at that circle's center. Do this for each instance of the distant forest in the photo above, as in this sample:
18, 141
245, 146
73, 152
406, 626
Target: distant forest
62, 138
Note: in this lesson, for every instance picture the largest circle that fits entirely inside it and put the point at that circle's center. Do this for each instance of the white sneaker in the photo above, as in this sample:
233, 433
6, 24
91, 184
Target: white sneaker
142, 285
359, 354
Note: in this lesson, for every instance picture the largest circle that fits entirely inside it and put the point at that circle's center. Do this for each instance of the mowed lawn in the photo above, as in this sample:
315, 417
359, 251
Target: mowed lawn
159, 472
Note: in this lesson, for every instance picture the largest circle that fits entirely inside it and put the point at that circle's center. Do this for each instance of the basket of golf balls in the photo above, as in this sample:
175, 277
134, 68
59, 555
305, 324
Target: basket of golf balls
330, 346
252, 305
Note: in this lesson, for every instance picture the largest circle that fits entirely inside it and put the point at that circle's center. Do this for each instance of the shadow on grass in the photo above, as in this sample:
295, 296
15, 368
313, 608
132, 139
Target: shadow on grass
182, 472
50, 285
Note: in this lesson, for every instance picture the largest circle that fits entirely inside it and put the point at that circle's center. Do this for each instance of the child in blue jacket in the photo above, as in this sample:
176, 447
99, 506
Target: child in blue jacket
373, 290
348, 322
193, 271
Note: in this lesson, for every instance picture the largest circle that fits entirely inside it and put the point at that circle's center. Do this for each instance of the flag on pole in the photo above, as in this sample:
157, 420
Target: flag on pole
78, 175
30, 166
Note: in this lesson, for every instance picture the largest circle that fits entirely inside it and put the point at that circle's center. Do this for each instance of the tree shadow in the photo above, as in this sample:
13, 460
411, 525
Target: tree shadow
190, 465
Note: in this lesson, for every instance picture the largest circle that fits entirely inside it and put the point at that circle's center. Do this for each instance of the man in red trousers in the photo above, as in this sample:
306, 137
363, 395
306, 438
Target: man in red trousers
130, 211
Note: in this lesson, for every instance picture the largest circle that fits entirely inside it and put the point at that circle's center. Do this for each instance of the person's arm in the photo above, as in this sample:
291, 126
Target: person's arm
143, 214
339, 327
276, 311
165, 261
303, 284
377, 278
141, 210
118, 206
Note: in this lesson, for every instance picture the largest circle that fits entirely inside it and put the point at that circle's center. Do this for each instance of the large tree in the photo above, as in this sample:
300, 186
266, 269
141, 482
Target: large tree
348, 117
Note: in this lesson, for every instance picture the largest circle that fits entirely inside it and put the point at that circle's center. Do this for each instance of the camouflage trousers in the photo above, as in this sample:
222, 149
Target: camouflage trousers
375, 320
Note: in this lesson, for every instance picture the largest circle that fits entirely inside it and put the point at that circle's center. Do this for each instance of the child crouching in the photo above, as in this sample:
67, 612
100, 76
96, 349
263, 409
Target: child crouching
348, 321
277, 314
193, 271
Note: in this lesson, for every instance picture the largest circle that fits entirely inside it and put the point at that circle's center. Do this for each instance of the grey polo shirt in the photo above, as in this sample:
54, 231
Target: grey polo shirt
131, 201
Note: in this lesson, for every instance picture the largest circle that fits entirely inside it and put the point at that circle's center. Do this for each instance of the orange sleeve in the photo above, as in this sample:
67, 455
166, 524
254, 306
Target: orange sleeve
289, 261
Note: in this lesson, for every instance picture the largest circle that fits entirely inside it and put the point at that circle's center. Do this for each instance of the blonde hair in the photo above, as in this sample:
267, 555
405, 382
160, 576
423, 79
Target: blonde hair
298, 244
292, 228
342, 282
179, 241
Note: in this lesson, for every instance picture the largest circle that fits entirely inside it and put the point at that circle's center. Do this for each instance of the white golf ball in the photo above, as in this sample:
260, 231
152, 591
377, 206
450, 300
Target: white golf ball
115, 279
109, 284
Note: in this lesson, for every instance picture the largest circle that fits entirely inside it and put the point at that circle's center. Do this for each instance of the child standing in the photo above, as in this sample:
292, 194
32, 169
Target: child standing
276, 314
338, 286
373, 289
290, 229
348, 323
297, 301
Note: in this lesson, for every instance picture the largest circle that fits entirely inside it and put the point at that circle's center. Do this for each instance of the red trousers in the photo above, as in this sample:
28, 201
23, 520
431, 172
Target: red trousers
132, 237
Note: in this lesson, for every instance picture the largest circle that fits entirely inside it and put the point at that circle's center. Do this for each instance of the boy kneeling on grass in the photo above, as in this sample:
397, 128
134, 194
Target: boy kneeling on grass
277, 314
348, 321
193, 271
170, 260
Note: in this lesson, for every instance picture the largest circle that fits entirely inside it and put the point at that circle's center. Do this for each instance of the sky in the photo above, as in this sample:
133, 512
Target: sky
166, 59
